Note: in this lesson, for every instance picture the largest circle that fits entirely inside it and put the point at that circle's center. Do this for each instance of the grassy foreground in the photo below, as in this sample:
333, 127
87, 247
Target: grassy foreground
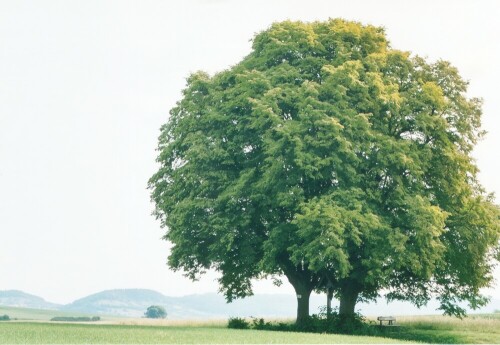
51, 333
32, 327
474, 329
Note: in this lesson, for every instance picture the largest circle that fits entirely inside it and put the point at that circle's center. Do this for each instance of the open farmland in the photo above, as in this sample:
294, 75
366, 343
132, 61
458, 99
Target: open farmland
32, 327
474, 329
51, 333
35, 314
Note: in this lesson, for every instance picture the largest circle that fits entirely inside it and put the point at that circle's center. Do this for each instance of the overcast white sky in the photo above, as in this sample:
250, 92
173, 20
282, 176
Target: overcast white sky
85, 86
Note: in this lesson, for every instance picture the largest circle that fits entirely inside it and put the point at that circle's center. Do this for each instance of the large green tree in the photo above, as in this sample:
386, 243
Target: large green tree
327, 157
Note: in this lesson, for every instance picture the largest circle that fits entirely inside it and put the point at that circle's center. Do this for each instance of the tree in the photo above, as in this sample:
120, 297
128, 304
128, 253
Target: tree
155, 312
327, 157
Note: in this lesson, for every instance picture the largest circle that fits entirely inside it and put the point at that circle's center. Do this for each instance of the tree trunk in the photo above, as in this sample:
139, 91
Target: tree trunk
303, 281
303, 294
348, 299
329, 297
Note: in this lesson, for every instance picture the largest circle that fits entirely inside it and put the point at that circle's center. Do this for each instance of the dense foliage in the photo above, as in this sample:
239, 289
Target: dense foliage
155, 312
332, 159
238, 323
322, 322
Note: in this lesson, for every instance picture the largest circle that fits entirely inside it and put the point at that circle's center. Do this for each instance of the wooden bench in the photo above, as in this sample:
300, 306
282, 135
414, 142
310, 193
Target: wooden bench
390, 320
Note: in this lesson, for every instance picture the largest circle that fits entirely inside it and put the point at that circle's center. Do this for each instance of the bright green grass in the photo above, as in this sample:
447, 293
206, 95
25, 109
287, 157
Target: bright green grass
50, 333
474, 329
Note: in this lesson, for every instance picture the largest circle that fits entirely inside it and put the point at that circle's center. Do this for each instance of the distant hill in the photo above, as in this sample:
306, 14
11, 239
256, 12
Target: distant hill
16, 298
134, 302
123, 302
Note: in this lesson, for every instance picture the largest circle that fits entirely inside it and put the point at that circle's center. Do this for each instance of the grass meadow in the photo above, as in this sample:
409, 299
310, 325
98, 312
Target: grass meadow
32, 327
35, 314
51, 333
474, 329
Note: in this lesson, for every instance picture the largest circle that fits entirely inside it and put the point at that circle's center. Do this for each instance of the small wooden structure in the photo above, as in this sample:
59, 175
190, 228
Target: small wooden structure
390, 320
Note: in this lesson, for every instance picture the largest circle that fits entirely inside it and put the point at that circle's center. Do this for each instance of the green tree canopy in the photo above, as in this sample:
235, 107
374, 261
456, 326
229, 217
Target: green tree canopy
155, 312
327, 156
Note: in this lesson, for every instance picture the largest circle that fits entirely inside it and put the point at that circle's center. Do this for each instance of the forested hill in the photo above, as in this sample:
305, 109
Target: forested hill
16, 298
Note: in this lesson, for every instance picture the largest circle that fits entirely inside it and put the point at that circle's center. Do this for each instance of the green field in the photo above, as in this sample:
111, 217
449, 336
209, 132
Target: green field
34, 314
32, 327
475, 329
50, 333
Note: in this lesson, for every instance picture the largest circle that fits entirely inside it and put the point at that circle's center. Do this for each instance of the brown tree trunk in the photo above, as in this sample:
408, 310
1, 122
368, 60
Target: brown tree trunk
303, 281
348, 299
329, 297
303, 293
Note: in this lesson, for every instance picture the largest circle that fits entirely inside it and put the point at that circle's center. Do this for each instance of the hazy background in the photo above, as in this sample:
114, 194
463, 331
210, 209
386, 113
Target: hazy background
85, 86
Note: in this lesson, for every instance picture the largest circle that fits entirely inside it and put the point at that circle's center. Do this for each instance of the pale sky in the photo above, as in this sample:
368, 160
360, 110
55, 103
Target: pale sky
86, 85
